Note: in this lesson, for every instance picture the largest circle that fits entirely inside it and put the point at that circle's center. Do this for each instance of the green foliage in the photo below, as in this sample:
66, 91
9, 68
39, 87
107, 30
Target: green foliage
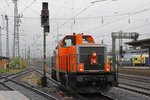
14, 70
18, 63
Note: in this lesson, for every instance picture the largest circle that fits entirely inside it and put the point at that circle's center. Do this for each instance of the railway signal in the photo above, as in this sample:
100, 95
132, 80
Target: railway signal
121, 35
45, 25
45, 14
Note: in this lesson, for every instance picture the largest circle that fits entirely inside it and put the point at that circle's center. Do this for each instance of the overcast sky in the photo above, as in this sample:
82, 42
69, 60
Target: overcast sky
81, 16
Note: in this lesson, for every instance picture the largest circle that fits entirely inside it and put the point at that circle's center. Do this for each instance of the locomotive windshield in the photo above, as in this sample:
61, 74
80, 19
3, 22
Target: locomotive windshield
68, 41
71, 40
87, 39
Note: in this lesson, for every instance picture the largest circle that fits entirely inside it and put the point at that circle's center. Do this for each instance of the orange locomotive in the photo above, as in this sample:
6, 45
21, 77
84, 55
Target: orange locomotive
81, 64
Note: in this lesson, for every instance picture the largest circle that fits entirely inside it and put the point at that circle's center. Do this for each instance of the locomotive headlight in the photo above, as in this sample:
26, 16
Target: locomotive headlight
81, 67
94, 61
107, 67
94, 58
94, 54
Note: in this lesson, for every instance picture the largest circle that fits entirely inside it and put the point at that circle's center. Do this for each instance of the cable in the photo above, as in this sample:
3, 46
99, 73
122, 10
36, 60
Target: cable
9, 7
105, 16
134, 13
1, 9
75, 15
60, 8
29, 8
100, 35
140, 26
98, 7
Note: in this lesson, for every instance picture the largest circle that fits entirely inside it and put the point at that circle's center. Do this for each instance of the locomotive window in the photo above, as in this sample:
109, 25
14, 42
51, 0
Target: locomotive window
67, 42
84, 40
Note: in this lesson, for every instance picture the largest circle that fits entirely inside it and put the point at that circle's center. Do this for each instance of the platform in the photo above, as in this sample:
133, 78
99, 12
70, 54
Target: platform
137, 67
139, 71
12, 95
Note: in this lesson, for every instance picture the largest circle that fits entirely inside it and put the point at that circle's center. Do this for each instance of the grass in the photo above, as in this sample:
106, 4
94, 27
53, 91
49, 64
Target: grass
33, 77
14, 71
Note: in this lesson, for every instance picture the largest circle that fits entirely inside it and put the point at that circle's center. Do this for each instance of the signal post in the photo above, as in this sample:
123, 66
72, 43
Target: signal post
45, 25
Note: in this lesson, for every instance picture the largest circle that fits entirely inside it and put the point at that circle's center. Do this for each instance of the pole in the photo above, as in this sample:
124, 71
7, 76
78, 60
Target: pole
7, 37
57, 40
7, 42
0, 43
45, 25
44, 78
113, 54
25, 54
0, 47
149, 56
16, 52
44, 54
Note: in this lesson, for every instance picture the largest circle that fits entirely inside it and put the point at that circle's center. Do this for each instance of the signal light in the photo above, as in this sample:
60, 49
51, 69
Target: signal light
107, 67
94, 54
45, 14
80, 67
93, 61
45, 17
94, 58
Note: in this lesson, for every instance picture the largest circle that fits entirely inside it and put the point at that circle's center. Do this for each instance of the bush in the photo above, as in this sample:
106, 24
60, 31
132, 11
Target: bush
18, 63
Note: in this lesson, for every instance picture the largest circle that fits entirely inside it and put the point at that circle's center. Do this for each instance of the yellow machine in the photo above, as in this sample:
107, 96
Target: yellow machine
140, 59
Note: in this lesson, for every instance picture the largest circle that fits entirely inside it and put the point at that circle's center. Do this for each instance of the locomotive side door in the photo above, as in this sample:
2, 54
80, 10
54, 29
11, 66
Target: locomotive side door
62, 61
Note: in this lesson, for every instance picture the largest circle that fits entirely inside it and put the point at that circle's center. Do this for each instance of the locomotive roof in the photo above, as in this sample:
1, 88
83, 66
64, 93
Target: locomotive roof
78, 34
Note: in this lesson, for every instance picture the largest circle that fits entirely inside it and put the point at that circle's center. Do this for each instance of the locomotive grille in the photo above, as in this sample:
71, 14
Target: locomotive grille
85, 55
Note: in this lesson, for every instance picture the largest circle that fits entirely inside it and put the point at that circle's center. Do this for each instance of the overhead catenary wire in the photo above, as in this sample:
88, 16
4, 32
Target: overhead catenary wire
94, 17
28, 6
4, 8
9, 7
60, 9
137, 27
129, 14
137, 12
75, 15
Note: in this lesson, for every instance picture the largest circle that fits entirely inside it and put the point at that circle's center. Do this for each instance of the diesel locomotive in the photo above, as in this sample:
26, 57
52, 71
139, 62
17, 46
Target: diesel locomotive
81, 65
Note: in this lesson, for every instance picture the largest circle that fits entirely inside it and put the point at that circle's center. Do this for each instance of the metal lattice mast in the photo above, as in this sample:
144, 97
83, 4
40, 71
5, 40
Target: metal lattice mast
7, 37
16, 52
28, 55
0, 43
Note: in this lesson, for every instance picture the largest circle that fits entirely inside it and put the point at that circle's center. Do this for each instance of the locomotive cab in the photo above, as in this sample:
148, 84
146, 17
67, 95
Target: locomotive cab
82, 65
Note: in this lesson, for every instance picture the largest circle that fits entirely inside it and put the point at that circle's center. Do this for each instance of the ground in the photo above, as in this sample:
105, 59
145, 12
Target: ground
14, 71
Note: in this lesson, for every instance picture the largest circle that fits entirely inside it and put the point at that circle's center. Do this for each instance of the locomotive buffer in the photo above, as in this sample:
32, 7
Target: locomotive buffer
45, 25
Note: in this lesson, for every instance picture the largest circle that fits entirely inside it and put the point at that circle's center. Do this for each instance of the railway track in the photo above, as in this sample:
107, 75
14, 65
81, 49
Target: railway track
4, 87
126, 86
135, 87
146, 80
29, 91
97, 96
59, 85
